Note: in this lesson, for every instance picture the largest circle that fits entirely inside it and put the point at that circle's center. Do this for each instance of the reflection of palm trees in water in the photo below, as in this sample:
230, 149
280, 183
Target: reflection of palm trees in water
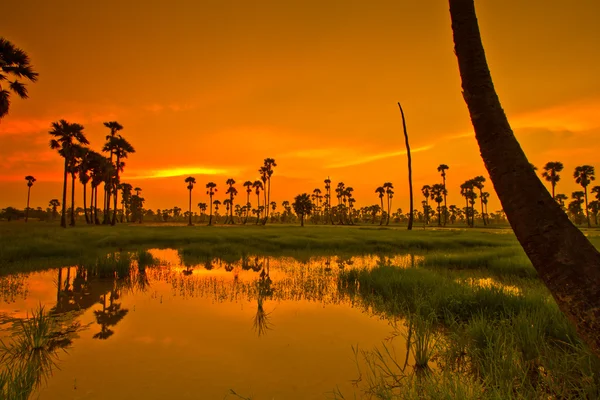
264, 290
109, 316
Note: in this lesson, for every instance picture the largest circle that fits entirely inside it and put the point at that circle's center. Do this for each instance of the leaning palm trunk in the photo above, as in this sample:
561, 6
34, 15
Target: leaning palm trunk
410, 188
565, 260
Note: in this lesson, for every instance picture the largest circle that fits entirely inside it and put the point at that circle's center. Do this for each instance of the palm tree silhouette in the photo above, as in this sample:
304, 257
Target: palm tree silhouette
190, 180
410, 186
84, 178
442, 168
381, 193
65, 137
303, 206
114, 127
211, 186
202, 207
120, 148
232, 192
13, 61
30, 179
551, 170
437, 195
584, 175
328, 215
389, 194
126, 189
54, 203
269, 163
426, 190
258, 186
248, 186
478, 183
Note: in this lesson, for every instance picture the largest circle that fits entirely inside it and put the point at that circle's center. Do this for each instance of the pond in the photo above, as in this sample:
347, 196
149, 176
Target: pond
161, 324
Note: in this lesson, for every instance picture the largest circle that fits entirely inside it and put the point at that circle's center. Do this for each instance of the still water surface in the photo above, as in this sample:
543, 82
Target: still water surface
268, 328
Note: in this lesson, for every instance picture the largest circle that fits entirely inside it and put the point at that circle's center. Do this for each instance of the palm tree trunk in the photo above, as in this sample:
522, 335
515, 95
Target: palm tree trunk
87, 221
63, 217
382, 211
565, 260
27, 209
96, 220
190, 222
210, 216
72, 199
410, 188
553, 187
445, 205
587, 212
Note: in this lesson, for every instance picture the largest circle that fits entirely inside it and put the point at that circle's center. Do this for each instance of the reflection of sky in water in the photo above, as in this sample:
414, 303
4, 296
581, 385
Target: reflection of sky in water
173, 331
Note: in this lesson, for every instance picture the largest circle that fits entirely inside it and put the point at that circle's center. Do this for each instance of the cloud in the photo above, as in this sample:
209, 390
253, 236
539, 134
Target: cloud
375, 157
180, 171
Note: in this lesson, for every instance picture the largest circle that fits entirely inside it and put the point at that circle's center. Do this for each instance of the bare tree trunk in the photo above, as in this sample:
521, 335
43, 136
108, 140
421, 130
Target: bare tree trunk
72, 199
410, 188
565, 260
87, 221
27, 209
63, 216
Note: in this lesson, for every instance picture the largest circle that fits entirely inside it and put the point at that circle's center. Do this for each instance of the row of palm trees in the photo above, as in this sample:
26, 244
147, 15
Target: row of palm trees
93, 168
261, 185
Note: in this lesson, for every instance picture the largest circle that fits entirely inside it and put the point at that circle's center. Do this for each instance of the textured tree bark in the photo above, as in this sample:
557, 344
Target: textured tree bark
565, 260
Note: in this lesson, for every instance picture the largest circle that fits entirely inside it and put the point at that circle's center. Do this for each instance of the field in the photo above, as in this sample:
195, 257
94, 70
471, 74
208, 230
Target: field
471, 315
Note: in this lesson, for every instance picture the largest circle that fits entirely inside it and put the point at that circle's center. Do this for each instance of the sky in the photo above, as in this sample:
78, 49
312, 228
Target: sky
211, 88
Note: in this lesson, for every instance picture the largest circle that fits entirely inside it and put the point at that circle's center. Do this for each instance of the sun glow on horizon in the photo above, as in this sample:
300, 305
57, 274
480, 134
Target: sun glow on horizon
182, 171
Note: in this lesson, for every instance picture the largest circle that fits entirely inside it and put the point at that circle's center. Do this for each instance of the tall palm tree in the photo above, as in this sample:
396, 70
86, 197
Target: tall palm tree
120, 148
584, 175
114, 127
30, 179
84, 178
65, 136
212, 188
248, 186
426, 190
596, 190
232, 192
202, 207
54, 203
258, 186
269, 163
565, 260
191, 181
442, 168
551, 170
328, 200
126, 189
389, 191
381, 193
410, 187
74, 168
13, 61
478, 183
437, 195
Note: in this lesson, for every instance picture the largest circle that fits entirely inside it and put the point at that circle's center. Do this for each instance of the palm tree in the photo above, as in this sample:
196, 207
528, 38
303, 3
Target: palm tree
54, 203
190, 180
65, 137
390, 194
302, 206
248, 186
437, 195
551, 170
217, 203
232, 192
258, 186
120, 148
442, 168
594, 208
426, 190
478, 183
564, 258
269, 163
381, 193
13, 61
560, 198
114, 127
410, 187
211, 186
583, 175
126, 189
30, 179
85, 167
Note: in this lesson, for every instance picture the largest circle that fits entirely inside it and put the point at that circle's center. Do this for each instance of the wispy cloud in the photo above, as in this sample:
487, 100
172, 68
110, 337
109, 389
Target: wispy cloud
180, 171
358, 160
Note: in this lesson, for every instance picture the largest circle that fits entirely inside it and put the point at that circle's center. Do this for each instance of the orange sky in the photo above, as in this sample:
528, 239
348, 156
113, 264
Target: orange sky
210, 89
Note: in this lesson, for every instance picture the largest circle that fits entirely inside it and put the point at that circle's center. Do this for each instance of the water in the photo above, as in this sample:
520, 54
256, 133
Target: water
268, 328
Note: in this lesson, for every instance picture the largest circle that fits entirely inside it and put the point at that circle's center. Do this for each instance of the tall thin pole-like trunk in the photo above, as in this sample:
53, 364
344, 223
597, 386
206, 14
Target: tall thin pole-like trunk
190, 207
445, 205
553, 187
87, 221
27, 209
587, 212
72, 199
410, 187
482, 211
63, 216
210, 205
565, 260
